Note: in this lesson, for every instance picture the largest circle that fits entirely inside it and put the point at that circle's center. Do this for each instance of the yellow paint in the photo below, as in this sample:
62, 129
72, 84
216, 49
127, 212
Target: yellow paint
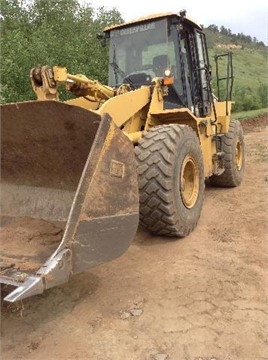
122, 108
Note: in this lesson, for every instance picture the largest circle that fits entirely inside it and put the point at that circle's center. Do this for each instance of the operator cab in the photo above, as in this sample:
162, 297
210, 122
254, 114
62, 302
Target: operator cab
159, 46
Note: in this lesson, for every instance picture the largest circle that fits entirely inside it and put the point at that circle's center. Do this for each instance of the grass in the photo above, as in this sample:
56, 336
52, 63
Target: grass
249, 114
250, 67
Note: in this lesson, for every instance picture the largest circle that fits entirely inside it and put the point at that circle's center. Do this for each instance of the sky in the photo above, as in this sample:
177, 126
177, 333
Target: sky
244, 16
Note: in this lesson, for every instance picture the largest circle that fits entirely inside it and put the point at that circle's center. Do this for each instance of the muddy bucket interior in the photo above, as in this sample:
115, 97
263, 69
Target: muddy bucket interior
44, 147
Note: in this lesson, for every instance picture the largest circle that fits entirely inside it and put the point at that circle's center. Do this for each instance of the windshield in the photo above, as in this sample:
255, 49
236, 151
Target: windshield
140, 52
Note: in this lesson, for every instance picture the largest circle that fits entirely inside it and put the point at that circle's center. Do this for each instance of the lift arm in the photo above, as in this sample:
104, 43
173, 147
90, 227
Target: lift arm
45, 82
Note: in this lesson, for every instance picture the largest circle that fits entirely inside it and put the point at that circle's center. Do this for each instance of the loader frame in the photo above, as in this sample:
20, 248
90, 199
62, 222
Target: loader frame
98, 149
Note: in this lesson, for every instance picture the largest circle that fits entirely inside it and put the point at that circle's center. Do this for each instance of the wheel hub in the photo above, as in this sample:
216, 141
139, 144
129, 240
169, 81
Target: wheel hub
189, 182
239, 155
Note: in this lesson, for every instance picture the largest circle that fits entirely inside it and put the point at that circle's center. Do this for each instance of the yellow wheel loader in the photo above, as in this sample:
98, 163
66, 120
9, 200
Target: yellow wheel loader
78, 176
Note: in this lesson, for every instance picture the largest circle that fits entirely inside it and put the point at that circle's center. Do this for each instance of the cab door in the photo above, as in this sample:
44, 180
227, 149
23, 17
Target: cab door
204, 72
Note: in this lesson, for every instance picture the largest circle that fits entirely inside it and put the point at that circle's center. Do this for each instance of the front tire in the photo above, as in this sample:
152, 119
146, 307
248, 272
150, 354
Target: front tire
233, 146
171, 180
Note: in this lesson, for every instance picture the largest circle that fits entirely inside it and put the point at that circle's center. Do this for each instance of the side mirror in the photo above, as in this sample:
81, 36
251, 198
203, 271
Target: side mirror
102, 38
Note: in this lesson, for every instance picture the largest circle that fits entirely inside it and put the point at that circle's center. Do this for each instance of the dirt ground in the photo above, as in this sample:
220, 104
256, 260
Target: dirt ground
199, 298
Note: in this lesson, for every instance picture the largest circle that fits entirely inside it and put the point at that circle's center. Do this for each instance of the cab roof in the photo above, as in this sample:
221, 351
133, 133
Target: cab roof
150, 18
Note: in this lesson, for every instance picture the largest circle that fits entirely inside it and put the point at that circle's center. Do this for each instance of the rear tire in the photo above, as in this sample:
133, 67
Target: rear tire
171, 180
234, 157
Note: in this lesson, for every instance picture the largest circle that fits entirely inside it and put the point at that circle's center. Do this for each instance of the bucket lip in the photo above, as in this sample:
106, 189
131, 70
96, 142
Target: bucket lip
55, 271
9, 281
32, 286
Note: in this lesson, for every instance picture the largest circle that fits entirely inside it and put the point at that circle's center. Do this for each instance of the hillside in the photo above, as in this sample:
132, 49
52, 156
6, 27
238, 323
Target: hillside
249, 64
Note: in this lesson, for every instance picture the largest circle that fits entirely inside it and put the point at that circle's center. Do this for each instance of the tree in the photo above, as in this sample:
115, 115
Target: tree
223, 30
213, 28
50, 32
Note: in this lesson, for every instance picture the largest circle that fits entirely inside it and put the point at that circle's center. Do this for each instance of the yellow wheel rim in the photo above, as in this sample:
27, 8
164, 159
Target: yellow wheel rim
239, 155
189, 187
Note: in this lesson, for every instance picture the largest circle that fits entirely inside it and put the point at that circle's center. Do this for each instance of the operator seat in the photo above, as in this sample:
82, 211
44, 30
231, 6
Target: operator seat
160, 64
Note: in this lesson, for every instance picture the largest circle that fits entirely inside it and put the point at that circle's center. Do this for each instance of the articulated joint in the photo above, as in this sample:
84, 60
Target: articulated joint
43, 83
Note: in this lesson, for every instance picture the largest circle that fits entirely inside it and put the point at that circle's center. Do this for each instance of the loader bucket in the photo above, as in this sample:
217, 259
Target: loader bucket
69, 194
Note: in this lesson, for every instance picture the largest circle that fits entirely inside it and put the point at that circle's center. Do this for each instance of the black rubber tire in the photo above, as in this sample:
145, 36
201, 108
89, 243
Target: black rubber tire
234, 157
162, 156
